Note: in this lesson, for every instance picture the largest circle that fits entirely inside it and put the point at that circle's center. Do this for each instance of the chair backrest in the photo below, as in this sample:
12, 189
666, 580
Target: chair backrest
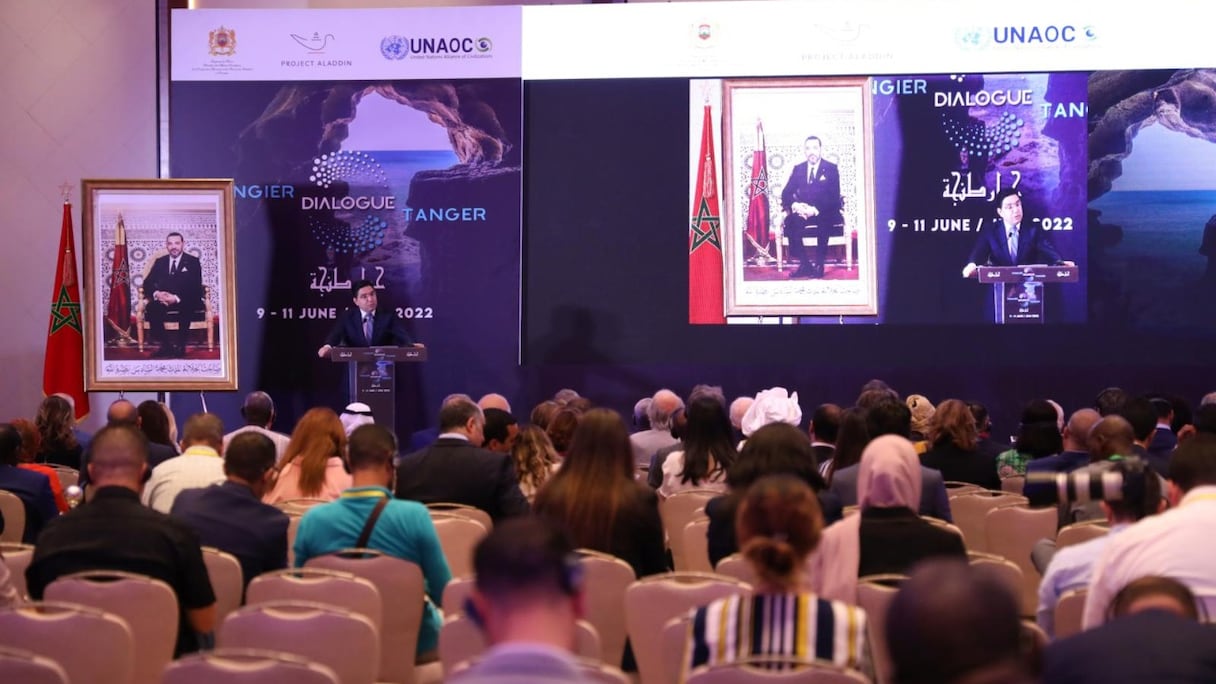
465, 510
293, 529
247, 666
458, 536
605, 578
331, 587
955, 488
1013, 485
874, 596
460, 641
765, 671
298, 506
1077, 533
54, 630
1008, 571
696, 546
949, 527
652, 601
736, 566
678, 510
602, 673
402, 592
1068, 612
13, 510
227, 582
18, 665
67, 476
342, 640
148, 606
970, 512
455, 593
17, 557
1012, 532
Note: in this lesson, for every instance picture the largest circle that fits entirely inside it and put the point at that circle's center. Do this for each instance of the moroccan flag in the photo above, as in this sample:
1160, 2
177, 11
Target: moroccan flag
705, 304
757, 208
63, 369
118, 311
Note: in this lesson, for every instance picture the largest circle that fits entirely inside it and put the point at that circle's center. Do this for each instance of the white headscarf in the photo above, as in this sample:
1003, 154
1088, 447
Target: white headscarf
774, 405
356, 414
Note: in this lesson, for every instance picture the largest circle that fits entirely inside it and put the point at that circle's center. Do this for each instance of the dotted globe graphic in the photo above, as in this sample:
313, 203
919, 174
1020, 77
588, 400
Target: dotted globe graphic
355, 167
982, 139
359, 171
356, 238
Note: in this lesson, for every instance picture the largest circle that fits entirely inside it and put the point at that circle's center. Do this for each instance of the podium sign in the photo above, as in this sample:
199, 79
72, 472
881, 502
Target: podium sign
371, 377
1017, 291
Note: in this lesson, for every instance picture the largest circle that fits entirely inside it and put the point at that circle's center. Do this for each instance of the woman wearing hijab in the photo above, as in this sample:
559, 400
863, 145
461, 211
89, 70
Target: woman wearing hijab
886, 535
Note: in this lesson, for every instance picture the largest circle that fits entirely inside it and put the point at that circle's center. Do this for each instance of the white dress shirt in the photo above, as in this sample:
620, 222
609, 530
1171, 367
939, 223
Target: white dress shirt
199, 466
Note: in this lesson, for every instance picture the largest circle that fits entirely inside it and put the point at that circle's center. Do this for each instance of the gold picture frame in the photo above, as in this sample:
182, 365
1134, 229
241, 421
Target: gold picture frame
176, 236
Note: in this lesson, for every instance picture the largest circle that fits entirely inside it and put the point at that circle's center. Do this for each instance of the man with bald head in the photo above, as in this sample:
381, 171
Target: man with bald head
1074, 455
1111, 436
115, 532
494, 401
200, 465
124, 412
259, 415
663, 407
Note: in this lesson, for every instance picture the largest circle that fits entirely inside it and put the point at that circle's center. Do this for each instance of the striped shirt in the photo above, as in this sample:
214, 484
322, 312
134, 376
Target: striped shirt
801, 626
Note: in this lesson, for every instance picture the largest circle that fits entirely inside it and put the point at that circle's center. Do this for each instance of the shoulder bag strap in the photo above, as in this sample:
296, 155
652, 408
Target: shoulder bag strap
366, 534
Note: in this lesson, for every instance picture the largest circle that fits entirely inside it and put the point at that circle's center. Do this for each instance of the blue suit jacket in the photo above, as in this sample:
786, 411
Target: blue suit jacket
229, 517
1153, 646
1034, 246
34, 490
387, 330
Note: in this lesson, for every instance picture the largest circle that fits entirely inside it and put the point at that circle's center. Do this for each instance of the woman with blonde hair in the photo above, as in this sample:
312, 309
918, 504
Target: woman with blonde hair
55, 421
954, 447
778, 525
535, 459
314, 465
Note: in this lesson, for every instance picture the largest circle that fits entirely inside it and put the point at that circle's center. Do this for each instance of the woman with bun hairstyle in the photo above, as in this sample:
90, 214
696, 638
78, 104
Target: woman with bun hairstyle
778, 525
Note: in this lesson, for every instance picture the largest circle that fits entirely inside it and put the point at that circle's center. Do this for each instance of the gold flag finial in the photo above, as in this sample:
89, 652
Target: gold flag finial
65, 189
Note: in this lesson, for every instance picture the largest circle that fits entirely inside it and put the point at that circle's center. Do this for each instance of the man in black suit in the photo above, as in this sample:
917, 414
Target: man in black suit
812, 203
231, 516
455, 469
825, 424
1009, 242
174, 286
364, 326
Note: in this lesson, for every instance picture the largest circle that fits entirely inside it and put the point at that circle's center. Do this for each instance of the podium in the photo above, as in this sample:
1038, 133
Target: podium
371, 377
1017, 291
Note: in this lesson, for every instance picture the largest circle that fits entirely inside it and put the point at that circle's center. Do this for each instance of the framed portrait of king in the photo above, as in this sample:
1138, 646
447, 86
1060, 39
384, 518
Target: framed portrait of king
160, 285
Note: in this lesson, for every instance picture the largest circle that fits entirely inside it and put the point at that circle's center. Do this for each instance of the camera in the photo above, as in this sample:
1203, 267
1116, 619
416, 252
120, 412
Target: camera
1116, 480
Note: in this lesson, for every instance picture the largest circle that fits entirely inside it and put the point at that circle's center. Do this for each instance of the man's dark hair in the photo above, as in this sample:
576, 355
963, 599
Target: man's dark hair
1005, 194
371, 446
1141, 490
1039, 432
522, 557
10, 444
825, 421
359, 285
1152, 586
1143, 417
258, 409
498, 425
980, 413
204, 428
868, 398
123, 412
183, 237
248, 456
1205, 419
1194, 462
813, 137
889, 418
1110, 401
456, 414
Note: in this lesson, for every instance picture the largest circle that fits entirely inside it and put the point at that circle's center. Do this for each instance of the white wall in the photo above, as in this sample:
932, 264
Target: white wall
79, 101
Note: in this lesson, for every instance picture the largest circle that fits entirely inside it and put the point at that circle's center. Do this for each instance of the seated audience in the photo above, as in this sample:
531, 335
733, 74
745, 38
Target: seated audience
951, 623
852, 436
200, 465
535, 460
663, 407
494, 400
953, 449
922, 414
355, 414
709, 449
641, 421
1072, 566
314, 466
30, 441
56, 420
527, 598
259, 415
1139, 412
156, 424
778, 525
983, 430
402, 529
426, 436
774, 405
775, 449
823, 430
1038, 437
500, 431
738, 408
33, 488
887, 536
542, 413
1074, 454
1155, 635
231, 517
561, 428
1163, 439
115, 532
455, 469
596, 501
1110, 401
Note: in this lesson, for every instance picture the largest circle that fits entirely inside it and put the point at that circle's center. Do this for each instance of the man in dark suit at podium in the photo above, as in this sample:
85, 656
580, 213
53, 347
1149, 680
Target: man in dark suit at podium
364, 326
174, 285
811, 200
1010, 242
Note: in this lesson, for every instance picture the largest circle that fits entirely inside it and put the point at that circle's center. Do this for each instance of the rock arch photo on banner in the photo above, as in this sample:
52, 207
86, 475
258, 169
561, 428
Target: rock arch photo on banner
160, 284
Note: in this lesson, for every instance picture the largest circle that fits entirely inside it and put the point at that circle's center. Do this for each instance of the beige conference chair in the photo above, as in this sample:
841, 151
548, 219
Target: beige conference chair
13, 510
462, 641
1069, 610
471, 512
874, 596
331, 587
1081, 532
227, 581
970, 512
458, 536
696, 546
18, 665
17, 557
247, 666
605, 578
736, 566
147, 605
770, 670
339, 639
1012, 532
678, 510
53, 630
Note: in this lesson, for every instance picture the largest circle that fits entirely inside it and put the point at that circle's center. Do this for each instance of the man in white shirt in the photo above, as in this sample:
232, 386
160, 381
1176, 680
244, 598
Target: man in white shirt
259, 415
1175, 544
200, 465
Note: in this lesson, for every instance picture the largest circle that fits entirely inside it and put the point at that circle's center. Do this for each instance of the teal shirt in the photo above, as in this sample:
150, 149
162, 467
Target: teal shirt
404, 531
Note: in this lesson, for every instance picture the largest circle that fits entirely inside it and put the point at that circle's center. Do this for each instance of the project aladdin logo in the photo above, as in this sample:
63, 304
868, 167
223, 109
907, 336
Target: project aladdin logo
222, 42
